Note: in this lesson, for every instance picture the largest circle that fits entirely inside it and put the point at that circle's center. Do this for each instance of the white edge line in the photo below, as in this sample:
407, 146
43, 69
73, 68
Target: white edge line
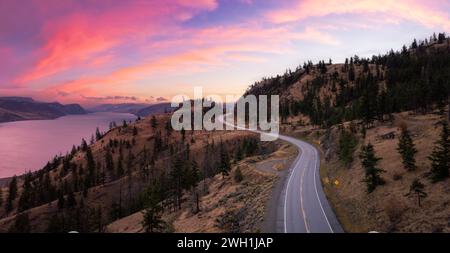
317, 194
289, 181
291, 172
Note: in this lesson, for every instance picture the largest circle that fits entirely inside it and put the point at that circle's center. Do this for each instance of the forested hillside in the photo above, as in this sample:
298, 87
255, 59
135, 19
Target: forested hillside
134, 166
413, 78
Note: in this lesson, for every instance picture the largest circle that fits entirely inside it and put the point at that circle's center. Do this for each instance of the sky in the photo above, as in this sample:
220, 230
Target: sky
114, 51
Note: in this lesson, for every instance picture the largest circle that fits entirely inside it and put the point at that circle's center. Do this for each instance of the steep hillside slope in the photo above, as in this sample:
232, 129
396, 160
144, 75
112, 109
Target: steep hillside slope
344, 107
110, 178
361, 88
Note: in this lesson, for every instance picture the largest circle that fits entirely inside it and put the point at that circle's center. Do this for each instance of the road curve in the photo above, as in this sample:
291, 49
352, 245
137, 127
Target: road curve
302, 206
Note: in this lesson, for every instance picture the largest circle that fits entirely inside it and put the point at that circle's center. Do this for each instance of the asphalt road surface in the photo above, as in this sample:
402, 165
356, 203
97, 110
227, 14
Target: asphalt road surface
301, 206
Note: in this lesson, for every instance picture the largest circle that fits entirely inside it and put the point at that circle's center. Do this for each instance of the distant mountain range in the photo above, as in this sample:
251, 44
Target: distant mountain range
155, 109
25, 108
132, 108
142, 110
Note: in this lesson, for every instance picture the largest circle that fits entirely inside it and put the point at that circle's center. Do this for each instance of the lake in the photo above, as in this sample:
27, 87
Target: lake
29, 145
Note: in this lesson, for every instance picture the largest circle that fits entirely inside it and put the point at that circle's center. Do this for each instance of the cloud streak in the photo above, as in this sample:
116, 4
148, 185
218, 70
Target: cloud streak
84, 51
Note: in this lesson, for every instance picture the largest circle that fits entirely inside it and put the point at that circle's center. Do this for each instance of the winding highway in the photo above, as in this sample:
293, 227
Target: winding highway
301, 206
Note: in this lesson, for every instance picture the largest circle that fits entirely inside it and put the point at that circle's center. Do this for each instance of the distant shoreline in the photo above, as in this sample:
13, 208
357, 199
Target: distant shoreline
33, 156
5, 181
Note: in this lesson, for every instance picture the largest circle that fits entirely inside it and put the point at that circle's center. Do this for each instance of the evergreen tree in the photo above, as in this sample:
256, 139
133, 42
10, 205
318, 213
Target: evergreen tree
347, 145
238, 156
71, 201
369, 162
440, 157
407, 149
84, 145
13, 188
152, 221
194, 175
183, 134
109, 161
153, 122
55, 225
98, 135
417, 188
225, 165
120, 169
92, 141
26, 198
90, 167
21, 224
169, 128
12, 194
61, 200
178, 178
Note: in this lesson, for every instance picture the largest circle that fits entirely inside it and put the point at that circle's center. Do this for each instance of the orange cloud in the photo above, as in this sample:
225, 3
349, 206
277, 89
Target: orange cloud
78, 38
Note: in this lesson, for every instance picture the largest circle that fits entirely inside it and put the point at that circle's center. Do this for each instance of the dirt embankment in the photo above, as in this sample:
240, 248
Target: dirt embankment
387, 209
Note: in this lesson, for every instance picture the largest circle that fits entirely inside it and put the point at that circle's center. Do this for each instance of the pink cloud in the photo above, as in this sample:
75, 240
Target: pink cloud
77, 38
104, 48
410, 10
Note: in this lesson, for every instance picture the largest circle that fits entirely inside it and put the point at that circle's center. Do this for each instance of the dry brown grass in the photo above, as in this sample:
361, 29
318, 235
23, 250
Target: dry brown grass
226, 203
387, 209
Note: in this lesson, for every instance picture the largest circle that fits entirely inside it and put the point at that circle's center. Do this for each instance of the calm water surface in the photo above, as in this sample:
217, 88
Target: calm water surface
28, 145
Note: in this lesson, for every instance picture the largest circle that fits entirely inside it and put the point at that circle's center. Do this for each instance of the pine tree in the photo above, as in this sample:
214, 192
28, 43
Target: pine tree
152, 221
71, 201
194, 175
12, 194
347, 145
92, 140
98, 135
21, 224
238, 156
225, 165
61, 201
440, 157
84, 145
369, 162
153, 122
90, 167
169, 128
13, 188
120, 169
407, 149
109, 161
183, 134
55, 224
178, 178
417, 188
